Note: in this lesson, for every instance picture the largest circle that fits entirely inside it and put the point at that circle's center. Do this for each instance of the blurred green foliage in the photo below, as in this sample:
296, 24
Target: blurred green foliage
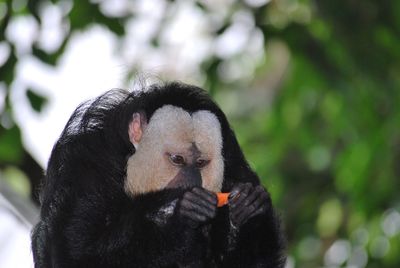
327, 145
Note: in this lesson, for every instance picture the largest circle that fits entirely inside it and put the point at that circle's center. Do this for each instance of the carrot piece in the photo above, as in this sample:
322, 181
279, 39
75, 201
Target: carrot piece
222, 199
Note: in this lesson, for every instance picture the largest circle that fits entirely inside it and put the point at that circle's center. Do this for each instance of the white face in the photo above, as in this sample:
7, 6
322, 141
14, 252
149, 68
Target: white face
174, 132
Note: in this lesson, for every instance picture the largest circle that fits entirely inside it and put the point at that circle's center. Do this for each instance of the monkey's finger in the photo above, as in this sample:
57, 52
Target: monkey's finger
235, 191
262, 200
253, 196
235, 202
187, 218
194, 198
188, 205
210, 197
259, 211
241, 214
209, 213
248, 212
258, 197
262, 204
249, 205
193, 216
197, 215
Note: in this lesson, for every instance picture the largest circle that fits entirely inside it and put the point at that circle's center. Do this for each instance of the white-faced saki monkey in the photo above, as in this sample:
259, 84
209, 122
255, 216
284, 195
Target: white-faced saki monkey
132, 182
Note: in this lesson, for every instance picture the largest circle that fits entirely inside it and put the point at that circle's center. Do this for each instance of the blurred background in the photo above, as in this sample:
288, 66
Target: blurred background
311, 88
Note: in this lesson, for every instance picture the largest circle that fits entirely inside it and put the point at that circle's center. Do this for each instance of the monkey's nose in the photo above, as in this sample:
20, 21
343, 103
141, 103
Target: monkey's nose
193, 176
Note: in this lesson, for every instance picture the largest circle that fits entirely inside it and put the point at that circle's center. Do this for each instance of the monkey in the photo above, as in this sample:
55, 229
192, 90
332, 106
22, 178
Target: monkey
132, 182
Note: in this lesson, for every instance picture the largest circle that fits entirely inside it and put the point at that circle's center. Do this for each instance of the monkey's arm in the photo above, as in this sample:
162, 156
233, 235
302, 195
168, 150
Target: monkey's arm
106, 230
254, 237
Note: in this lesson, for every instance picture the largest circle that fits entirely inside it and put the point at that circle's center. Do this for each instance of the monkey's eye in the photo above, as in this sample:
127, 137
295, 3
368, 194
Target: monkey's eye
200, 163
177, 159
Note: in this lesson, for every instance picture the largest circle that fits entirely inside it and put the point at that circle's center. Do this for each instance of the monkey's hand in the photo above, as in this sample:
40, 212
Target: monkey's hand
197, 206
246, 202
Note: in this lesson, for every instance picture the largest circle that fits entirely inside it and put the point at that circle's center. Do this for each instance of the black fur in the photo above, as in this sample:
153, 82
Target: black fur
87, 220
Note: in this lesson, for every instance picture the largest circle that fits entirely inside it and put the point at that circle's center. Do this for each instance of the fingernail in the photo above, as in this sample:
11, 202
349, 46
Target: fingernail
233, 194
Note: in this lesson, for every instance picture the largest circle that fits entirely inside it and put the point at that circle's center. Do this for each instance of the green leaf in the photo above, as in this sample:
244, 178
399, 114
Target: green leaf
51, 58
10, 145
7, 70
37, 101
85, 13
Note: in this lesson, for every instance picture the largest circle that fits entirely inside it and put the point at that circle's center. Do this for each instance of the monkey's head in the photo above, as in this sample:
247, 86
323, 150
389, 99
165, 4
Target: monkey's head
174, 148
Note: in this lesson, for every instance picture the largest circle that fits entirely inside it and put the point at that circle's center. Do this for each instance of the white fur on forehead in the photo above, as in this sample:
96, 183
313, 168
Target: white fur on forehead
174, 129
208, 139
173, 123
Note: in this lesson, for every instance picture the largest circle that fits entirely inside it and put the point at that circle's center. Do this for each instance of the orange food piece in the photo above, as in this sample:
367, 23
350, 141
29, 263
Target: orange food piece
222, 199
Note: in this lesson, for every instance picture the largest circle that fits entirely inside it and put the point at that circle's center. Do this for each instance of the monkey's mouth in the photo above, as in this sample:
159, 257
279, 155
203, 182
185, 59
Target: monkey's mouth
184, 184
